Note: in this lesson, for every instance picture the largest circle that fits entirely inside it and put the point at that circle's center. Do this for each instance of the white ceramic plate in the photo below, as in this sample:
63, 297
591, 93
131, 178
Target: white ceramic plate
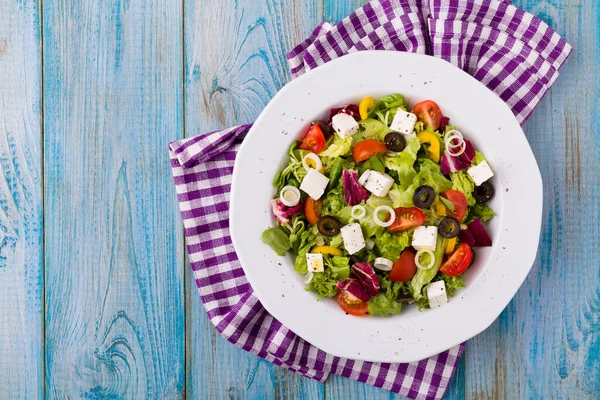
498, 271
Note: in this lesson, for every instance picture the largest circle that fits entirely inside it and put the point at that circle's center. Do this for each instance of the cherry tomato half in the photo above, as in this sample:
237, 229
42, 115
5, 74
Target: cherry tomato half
351, 304
312, 210
404, 268
428, 112
459, 201
367, 148
407, 218
459, 261
314, 140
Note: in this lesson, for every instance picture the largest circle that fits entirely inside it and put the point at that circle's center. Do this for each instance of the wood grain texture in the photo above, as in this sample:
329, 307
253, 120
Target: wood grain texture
122, 78
235, 62
114, 276
21, 236
546, 344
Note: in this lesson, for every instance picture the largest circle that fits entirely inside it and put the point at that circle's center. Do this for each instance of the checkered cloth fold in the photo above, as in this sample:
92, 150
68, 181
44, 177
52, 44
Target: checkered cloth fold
513, 53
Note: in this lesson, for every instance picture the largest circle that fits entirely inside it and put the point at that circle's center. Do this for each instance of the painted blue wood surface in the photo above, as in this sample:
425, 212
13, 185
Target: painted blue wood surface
122, 317
115, 322
21, 240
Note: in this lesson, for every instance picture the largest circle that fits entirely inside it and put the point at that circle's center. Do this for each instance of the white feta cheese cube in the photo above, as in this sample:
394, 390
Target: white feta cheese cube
436, 292
353, 238
425, 237
480, 173
315, 262
344, 125
363, 178
404, 122
377, 182
314, 183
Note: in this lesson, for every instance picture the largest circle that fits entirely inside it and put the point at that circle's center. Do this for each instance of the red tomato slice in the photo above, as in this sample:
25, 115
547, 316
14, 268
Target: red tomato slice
459, 201
312, 210
367, 148
428, 112
459, 261
407, 218
405, 267
351, 304
314, 140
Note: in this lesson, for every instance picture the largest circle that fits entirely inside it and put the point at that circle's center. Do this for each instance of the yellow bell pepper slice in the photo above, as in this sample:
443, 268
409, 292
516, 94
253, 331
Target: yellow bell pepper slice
326, 250
439, 208
365, 106
450, 246
433, 150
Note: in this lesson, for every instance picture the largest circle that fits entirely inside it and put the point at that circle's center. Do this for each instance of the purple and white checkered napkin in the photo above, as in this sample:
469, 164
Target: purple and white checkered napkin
513, 53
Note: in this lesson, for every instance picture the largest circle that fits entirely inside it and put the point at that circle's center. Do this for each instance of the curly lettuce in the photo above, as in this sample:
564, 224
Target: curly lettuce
373, 129
390, 245
424, 276
338, 148
324, 284
429, 174
386, 107
294, 172
462, 182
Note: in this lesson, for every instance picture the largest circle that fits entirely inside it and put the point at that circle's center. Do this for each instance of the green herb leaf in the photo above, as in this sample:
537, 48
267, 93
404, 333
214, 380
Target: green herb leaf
277, 240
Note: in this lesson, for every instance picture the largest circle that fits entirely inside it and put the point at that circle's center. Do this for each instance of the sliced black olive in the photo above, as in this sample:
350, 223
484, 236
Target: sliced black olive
325, 128
449, 227
354, 259
329, 226
484, 192
395, 141
424, 196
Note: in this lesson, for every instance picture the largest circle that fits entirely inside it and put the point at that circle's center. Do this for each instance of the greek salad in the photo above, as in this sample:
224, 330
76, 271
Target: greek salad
382, 206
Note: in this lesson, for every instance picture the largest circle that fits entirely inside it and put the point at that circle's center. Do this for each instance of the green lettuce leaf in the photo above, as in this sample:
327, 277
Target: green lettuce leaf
482, 211
453, 283
294, 172
277, 239
333, 202
373, 129
338, 148
307, 242
367, 223
339, 266
402, 163
382, 306
386, 107
376, 201
390, 245
429, 174
423, 277
462, 182
323, 284
478, 158
373, 163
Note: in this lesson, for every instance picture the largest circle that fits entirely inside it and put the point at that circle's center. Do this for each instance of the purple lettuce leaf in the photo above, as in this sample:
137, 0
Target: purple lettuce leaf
281, 212
366, 276
481, 237
354, 193
454, 164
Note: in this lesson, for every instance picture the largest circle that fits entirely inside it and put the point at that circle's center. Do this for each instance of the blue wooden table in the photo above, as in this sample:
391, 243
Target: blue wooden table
96, 298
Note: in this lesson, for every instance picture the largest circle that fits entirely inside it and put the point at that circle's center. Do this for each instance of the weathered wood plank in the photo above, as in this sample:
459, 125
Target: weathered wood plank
546, 344
114, 250
21, 233
235, 62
